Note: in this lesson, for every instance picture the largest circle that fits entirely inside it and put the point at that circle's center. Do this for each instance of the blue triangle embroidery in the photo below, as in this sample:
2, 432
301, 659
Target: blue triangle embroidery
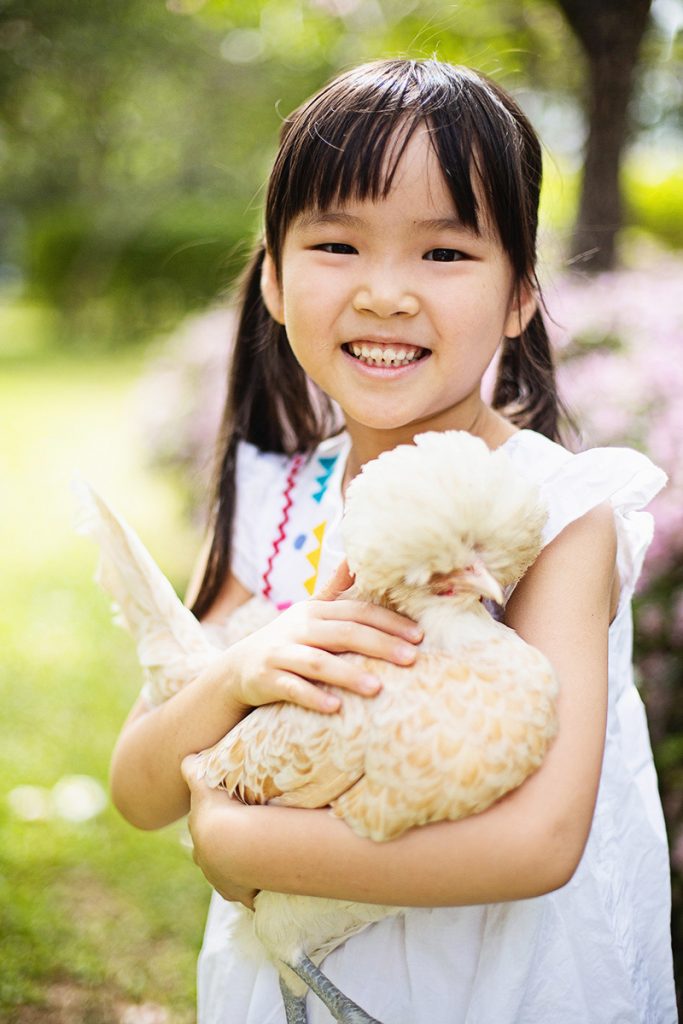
327, 464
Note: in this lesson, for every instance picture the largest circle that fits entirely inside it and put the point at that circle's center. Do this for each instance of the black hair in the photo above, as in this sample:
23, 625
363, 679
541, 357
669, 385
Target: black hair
343, 144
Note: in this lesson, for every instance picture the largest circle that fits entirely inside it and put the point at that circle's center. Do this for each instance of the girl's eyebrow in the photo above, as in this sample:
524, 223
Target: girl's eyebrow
446, 224
321, 218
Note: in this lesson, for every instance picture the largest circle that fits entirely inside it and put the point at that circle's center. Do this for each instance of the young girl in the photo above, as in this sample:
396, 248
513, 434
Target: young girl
398, 261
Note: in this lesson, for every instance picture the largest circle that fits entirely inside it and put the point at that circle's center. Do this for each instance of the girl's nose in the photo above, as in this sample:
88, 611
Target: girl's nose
385, 297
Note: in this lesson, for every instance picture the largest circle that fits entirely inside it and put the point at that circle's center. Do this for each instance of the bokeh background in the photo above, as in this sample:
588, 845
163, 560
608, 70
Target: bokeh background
135, 138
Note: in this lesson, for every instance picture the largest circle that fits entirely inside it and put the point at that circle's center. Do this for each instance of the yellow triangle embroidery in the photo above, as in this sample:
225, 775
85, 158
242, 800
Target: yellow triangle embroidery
314, 557
310, 584
319, 531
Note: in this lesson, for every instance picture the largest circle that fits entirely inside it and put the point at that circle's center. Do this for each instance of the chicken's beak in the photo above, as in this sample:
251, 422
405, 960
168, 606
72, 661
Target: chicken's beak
473, 579
477, 577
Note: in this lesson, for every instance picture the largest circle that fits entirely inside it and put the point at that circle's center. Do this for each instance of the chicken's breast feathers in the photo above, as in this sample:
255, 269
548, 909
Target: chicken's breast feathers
463, 731
289, 755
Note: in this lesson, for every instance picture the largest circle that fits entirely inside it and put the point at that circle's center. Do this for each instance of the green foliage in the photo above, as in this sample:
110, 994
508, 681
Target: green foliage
139, 136
654, 202
136, 137
155, 269
93, 905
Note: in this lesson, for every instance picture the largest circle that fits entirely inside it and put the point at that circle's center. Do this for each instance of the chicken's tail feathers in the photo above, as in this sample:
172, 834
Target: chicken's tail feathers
171, 644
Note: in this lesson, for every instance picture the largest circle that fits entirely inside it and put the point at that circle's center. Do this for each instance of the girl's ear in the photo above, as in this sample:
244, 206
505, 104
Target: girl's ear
270, 289
524, 305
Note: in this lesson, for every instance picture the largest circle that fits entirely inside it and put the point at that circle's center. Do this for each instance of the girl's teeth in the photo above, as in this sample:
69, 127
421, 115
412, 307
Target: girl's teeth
376, 356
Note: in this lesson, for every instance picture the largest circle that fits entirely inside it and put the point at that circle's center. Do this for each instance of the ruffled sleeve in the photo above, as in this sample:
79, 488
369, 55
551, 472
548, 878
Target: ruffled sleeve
258, 476
625, 478
573, 484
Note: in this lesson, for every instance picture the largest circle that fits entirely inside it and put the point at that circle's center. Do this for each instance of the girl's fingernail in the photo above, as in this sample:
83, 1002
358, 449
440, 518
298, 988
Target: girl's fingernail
405, 652
331, 703
368, 684
414, 633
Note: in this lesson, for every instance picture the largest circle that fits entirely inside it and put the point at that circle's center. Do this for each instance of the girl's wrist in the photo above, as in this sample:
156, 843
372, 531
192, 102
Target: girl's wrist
227, 679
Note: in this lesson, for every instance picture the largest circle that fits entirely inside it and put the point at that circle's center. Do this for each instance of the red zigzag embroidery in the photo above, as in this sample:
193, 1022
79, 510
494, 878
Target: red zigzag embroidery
286, 494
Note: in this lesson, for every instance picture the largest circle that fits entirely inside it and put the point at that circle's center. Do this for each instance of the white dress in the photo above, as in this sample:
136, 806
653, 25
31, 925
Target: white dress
597, 951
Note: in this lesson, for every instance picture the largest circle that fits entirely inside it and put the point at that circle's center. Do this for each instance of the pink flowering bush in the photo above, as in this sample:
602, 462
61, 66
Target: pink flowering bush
619, 342
619, 339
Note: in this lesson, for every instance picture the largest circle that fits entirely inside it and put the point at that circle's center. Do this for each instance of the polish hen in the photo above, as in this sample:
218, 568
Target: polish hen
430, 530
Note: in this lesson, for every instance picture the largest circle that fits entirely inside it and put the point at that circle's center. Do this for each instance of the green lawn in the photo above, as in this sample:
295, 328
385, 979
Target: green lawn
94, 916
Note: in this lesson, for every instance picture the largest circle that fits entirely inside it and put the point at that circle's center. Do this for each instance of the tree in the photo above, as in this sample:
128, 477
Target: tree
135, 137
610, 33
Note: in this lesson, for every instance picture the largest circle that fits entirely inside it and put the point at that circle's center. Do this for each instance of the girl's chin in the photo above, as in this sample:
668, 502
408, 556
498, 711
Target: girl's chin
399, 420
406, 420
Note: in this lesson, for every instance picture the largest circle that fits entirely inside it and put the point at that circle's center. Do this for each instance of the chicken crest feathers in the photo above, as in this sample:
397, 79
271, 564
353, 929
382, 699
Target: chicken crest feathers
401, 509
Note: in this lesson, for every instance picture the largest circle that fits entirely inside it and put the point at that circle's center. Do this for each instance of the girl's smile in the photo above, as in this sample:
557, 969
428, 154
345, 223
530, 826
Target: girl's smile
384, 356
393, 307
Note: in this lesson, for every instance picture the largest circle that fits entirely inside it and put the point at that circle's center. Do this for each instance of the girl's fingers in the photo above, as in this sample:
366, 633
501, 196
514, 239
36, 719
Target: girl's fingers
322, 667
354, 637
340, 580
188, 770
295, 690
371, 615
288, 658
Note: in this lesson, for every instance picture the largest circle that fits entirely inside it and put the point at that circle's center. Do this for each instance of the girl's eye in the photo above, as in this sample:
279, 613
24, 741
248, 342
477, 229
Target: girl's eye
337, 248
444, 255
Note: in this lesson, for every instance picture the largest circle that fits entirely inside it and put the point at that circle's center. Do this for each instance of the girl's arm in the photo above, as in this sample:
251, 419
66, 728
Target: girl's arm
527, 844
282, 661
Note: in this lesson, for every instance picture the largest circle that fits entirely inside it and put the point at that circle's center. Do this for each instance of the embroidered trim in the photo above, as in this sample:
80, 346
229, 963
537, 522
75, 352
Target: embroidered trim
314, 556
297, 462
328, 464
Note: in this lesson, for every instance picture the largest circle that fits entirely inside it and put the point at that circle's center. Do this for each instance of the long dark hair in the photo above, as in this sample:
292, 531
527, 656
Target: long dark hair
343, 144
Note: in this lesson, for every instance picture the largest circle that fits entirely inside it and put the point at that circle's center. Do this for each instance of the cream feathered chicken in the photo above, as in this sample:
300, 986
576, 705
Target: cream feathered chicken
429, 530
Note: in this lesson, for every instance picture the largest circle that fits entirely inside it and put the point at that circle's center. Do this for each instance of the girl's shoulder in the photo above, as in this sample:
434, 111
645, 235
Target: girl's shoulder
571, 484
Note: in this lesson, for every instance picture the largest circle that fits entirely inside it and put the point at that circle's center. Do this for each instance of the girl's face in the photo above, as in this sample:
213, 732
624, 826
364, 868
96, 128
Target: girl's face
392, 307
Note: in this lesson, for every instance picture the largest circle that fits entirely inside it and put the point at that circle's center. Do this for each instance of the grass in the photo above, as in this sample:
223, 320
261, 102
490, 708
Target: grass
94, 916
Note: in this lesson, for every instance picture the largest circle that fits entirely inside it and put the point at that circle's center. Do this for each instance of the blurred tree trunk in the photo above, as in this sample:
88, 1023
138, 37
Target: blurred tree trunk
610, 33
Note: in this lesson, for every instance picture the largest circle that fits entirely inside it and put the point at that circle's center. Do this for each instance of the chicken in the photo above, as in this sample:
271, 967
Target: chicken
430, 530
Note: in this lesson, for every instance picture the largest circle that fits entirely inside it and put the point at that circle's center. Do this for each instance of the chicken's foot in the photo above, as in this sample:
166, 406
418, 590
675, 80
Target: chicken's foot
340, 1006
295, 1006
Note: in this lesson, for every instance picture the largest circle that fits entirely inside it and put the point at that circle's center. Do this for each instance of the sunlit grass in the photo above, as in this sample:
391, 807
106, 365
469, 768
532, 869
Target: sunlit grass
95, 903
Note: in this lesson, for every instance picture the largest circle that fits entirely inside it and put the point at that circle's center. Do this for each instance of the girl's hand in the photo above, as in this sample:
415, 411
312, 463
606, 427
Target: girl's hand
205, 805
287, 658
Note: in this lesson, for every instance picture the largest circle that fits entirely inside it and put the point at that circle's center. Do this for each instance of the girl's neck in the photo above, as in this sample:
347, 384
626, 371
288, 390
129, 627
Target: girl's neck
478, 419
